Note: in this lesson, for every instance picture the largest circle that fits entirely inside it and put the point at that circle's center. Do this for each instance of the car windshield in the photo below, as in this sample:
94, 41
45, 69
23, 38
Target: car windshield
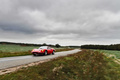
43, 47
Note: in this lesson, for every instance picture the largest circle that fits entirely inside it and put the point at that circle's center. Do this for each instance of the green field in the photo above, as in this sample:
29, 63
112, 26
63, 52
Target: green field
15, 48
111, 53
84, 65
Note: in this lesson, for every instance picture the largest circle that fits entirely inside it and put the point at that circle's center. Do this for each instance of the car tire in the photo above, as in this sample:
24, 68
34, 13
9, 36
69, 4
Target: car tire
34, 54
45, 53
53, 52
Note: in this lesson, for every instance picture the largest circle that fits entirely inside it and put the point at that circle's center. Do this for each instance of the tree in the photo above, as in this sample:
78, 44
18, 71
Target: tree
57, 45
44, 44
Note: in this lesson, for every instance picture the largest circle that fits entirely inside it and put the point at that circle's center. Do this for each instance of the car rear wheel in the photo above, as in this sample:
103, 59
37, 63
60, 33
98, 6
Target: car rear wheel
53, 52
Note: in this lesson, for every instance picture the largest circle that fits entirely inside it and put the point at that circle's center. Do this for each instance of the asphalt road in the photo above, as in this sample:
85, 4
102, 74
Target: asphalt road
9, 62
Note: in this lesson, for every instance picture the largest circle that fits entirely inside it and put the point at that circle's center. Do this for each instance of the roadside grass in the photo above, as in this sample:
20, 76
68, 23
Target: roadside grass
84, 65
23, 53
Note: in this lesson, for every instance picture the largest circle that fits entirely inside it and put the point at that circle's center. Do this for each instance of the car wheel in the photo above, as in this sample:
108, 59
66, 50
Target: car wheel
45, 53
35, 54
53, 52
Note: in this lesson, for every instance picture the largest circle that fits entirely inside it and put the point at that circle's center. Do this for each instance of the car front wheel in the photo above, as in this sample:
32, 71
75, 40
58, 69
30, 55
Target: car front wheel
35, 54
53, 52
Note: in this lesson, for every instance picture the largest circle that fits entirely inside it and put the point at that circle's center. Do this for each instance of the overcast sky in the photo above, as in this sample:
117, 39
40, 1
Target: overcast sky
67, 22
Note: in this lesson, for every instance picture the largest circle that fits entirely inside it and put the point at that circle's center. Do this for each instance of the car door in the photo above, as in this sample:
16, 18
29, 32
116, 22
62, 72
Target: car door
49, 50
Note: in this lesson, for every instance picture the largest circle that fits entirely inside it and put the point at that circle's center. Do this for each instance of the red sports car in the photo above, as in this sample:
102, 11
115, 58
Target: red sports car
43, 50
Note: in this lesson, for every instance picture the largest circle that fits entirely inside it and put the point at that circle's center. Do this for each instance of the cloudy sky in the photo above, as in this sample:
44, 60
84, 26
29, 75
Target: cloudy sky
67, 22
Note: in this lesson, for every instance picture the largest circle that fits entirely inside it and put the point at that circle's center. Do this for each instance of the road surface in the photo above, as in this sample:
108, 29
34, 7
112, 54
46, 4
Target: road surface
9, 62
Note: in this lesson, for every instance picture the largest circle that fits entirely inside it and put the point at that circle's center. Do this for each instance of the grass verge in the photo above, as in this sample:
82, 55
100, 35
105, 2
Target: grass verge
84, 65
23, 53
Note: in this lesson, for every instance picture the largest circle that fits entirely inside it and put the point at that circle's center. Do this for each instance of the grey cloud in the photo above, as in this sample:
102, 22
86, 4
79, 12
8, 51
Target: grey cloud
96, 20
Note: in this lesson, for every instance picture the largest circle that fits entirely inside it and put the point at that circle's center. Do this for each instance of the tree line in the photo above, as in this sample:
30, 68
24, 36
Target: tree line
103, 47
44, 44
28, 44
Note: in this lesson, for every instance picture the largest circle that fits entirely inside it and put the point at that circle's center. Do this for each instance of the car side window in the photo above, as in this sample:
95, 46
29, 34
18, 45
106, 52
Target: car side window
49, 48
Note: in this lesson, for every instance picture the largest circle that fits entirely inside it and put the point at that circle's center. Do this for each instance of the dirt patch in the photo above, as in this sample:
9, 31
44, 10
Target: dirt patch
57, 68
113, 56
117, 61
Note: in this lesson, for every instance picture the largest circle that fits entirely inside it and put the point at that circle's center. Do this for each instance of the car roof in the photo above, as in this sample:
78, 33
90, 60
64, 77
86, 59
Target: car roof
44, 47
